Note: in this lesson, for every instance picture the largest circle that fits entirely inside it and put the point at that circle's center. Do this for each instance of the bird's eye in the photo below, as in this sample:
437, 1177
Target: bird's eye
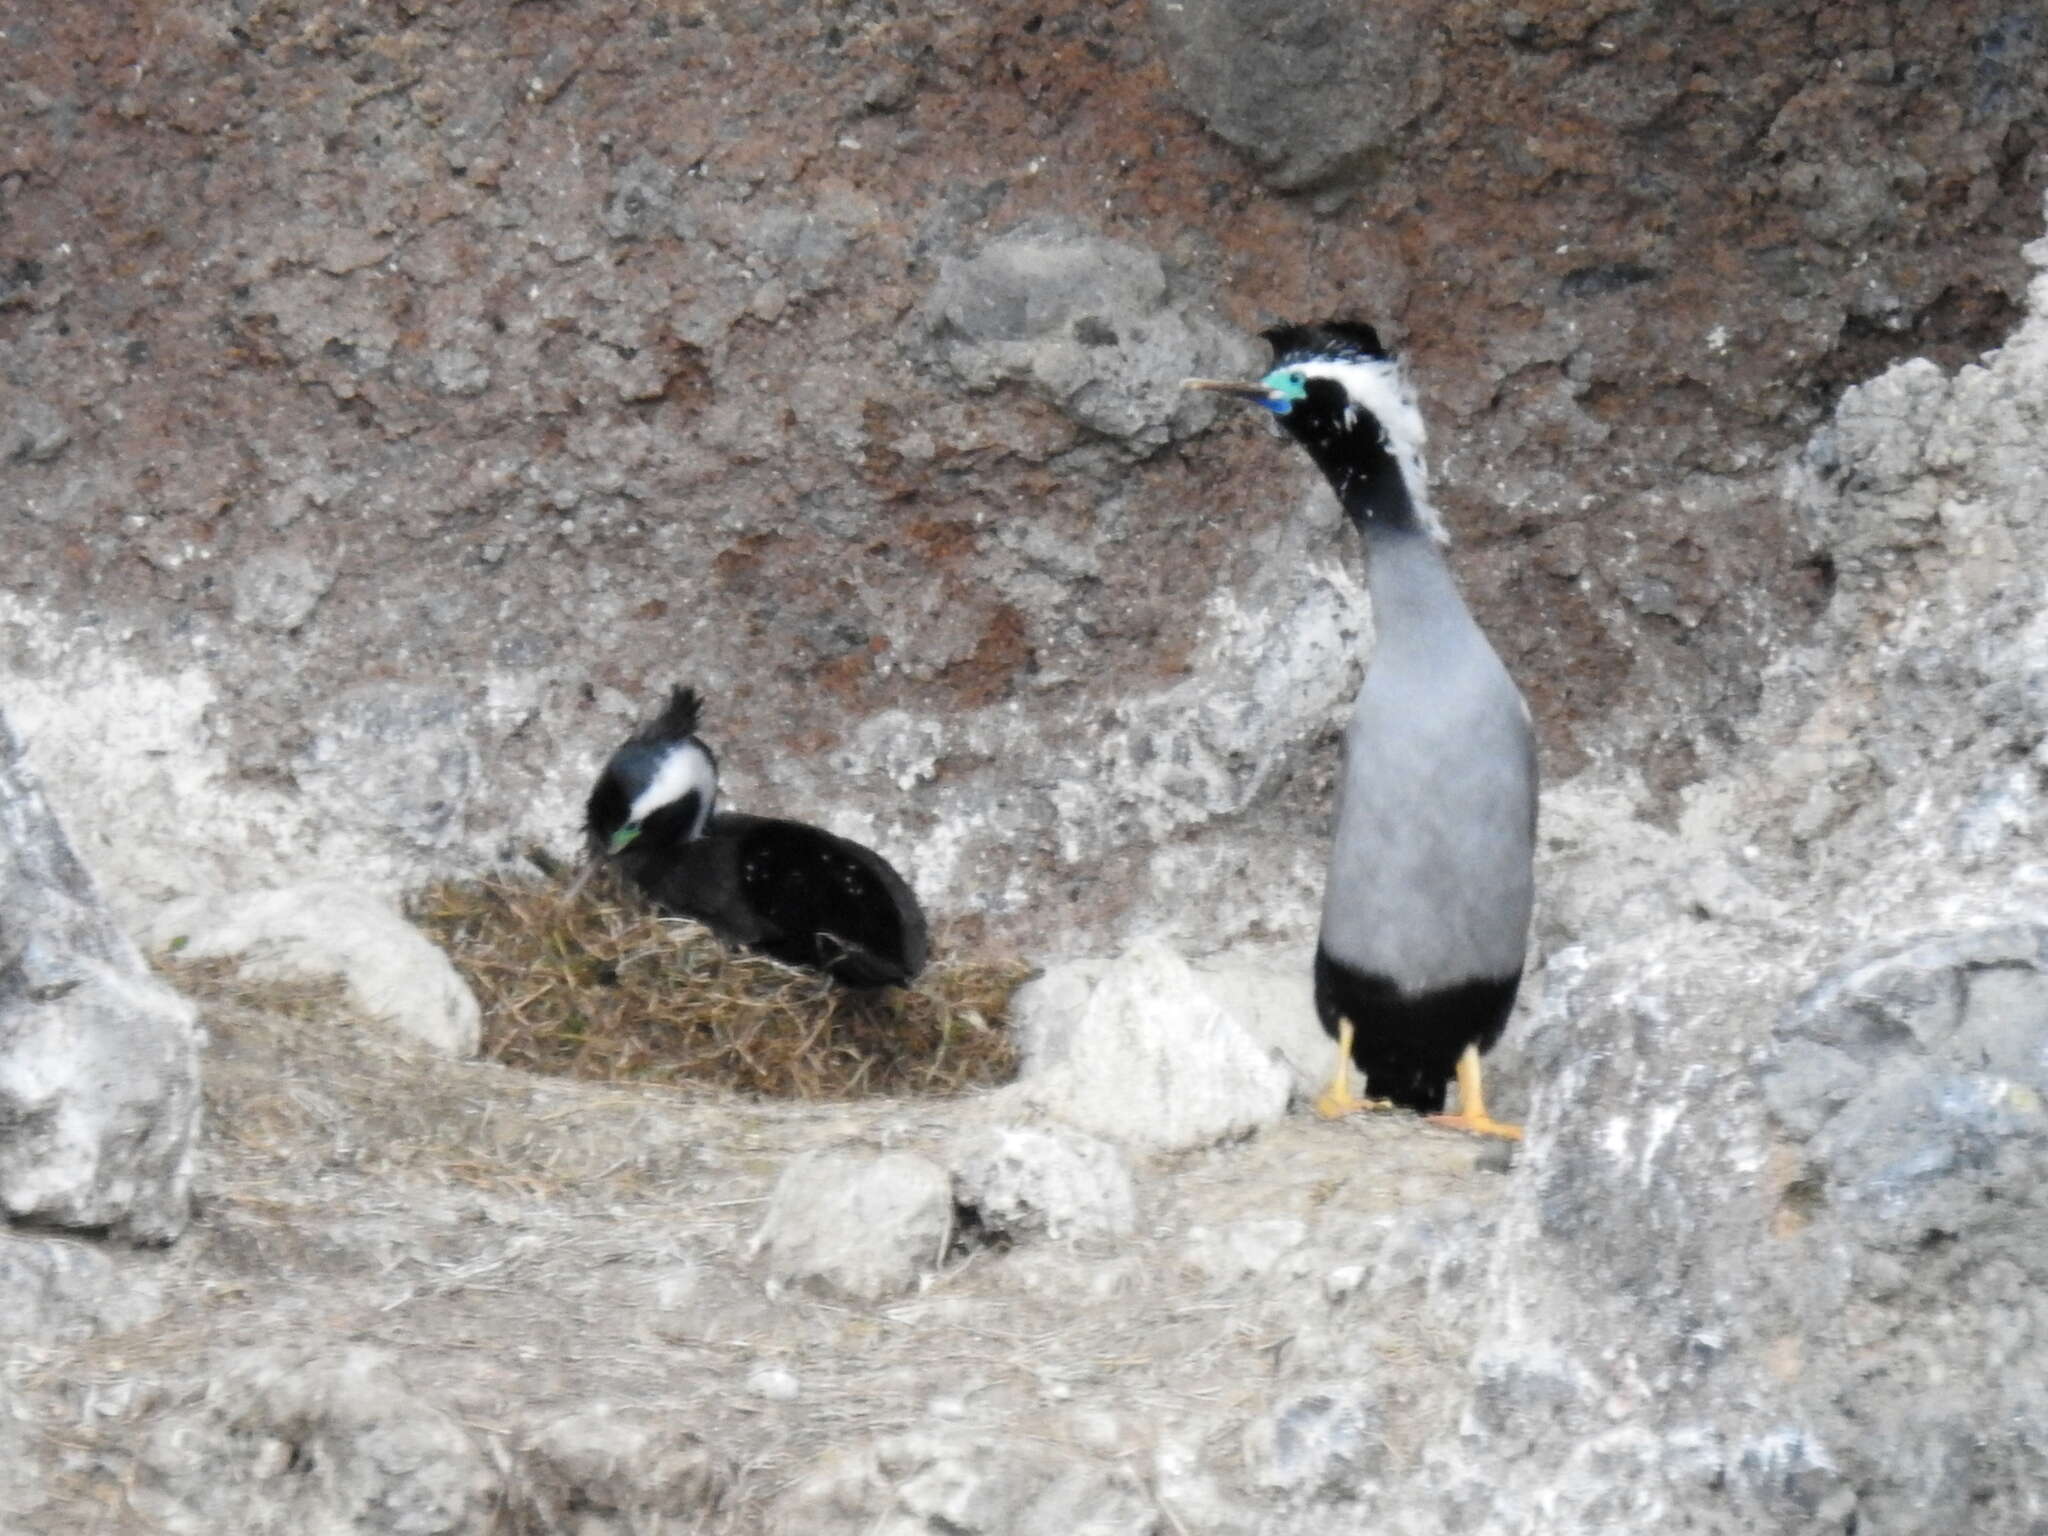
1284, 387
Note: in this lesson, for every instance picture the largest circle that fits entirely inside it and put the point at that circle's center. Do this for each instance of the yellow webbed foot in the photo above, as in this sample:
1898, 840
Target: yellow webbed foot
1333, 1103
1478, 1125
1337, 1100
1472, 1115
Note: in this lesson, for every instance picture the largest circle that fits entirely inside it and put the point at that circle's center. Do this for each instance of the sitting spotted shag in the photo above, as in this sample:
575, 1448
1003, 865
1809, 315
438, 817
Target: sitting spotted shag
789, 890
1427, 909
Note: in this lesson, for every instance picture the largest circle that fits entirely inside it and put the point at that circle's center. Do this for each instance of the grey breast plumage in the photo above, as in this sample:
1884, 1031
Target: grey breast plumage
1430, 880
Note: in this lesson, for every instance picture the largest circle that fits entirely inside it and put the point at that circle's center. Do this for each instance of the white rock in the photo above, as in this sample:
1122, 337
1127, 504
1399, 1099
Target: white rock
57, 1287
1030, 1181
1097, 1430
1184, 1477
1340, 1282
1043, 1011
285, 1441
775, 1383
1273, 996
855, 1224
331, 928
674, 1285
99, 1070
951, 1480
1155, 1060
1243, 1250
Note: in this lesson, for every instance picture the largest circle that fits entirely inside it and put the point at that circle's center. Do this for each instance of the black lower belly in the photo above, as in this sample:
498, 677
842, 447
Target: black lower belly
1408, 1044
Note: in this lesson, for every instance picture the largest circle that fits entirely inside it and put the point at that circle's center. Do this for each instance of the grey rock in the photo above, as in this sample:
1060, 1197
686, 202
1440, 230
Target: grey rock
1314, 93
460, 371
53, 1287
1918, 1081
277, 590
860, 1225
801, 246
396, 754
1155, 1059
1088, 324
966, 1485
1023, 1182
642, 200
37, 434
99, 1069
600, 1472
1324, 1440
291, 1443
1273, 997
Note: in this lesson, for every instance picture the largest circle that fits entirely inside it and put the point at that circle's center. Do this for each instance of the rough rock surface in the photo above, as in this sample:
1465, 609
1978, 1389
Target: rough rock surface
1085, 321
604, 1472
1776, 1250
398, 399
861, 1226
1772, 1258
286, 1441
99, 1069
330, 928
1019, 1182
57, 1287
1153, 1058
1316, 94
967, 1484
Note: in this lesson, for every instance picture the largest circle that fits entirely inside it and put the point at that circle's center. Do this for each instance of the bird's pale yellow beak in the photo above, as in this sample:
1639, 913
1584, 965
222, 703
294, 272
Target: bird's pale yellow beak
1258, 394
623, 836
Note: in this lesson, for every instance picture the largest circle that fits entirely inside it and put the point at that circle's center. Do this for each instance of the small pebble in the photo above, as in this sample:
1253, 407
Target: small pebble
775, 1384
1342, 1281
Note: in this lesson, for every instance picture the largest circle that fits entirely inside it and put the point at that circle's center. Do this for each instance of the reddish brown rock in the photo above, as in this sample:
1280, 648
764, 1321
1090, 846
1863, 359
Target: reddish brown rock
537, 358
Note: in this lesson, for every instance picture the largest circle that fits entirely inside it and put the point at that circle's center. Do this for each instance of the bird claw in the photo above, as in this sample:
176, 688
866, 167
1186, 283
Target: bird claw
1478, 1125
1332, 1105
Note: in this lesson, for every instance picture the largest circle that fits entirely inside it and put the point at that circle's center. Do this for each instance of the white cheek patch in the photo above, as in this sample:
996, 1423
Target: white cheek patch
686, 767
1381, 386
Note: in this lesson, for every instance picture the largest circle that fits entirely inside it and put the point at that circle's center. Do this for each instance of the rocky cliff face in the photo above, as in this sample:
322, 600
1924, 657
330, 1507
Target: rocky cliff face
399, 398
454, 364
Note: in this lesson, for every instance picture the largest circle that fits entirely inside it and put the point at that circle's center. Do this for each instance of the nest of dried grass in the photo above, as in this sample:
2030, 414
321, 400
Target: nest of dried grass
590, 981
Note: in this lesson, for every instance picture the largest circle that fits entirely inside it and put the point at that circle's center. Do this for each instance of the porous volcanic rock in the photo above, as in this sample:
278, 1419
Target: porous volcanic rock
397, 402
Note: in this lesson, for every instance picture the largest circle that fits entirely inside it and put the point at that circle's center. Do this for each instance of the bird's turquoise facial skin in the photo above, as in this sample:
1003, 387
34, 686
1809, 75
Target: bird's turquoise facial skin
1283, 387
623, 836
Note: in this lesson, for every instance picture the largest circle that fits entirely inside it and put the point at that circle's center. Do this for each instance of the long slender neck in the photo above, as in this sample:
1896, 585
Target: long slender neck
1373, 491
1415, 601
1418, 614
1362, 470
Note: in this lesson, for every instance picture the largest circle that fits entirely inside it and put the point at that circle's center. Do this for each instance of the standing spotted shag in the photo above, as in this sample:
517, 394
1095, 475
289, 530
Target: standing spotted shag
792, 891
1426, 915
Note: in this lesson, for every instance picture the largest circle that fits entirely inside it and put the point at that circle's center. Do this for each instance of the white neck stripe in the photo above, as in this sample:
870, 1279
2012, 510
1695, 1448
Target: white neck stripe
1381, 385
686, 766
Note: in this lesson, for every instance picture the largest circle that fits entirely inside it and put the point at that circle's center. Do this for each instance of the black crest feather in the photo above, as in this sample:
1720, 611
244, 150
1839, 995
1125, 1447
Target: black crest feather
1330, 338
677, 720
